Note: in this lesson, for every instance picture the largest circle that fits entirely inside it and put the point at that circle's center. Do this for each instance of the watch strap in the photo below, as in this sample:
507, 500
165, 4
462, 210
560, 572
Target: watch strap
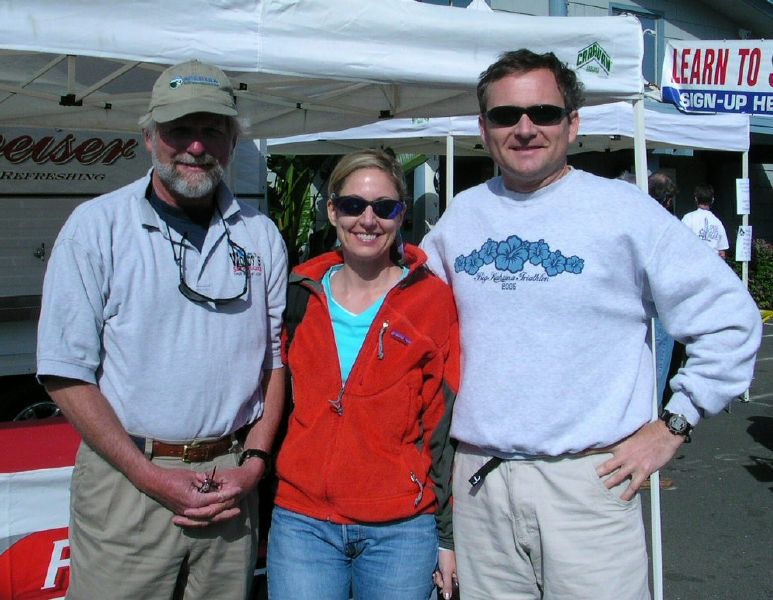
254, 453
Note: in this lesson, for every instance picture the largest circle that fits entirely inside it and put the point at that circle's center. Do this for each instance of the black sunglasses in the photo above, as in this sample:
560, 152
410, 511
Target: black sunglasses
238, 257
539, 114
354, 206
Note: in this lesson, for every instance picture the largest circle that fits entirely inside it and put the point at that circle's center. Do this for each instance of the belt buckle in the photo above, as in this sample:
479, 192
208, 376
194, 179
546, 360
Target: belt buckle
192, 446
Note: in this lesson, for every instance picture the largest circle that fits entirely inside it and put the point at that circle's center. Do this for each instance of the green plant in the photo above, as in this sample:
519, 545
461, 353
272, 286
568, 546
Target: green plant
292, 198
760, 273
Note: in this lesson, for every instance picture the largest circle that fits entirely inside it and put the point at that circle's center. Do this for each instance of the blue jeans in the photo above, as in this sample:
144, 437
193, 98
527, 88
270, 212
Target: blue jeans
664, 346
309, 559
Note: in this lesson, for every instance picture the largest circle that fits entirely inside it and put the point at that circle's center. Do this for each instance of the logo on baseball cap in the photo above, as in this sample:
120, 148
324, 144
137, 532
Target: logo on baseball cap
191, 87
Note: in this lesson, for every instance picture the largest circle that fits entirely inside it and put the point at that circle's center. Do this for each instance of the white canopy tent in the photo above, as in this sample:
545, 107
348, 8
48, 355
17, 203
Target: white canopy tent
298, 66
602, 127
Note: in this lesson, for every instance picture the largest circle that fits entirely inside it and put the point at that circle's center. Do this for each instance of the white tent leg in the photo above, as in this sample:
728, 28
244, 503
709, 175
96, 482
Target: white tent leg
655, 529
449, 169
640, 163
745, 223
263, 167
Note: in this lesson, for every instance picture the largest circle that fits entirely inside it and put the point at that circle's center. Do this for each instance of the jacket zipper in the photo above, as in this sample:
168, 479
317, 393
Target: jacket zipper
335, 405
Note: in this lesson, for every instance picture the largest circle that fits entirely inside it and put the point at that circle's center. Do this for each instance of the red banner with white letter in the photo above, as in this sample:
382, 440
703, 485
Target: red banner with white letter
733, 76
35, 470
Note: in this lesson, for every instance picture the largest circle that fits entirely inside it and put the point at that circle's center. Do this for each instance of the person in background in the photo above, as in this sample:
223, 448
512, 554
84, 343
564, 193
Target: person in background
556, 274
703, 223
159, 339
663, 189
362, 504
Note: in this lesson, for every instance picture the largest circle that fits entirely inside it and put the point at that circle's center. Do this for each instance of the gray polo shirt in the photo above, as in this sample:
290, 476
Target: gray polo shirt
112, 314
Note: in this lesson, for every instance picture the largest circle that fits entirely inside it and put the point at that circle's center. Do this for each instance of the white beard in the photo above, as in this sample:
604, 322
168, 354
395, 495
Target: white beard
190, 186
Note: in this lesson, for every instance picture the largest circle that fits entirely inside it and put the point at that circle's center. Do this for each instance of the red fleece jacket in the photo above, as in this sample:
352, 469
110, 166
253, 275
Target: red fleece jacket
377, 448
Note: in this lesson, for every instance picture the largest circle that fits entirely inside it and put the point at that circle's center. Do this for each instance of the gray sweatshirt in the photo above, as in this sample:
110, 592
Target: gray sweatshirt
555, 290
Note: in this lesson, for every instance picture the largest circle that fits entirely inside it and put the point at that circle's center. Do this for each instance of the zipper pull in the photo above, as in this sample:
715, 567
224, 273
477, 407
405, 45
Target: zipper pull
420, 495
337, 404
381, 333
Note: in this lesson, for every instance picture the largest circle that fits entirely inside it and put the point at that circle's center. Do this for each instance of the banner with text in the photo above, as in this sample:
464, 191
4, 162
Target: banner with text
734, 76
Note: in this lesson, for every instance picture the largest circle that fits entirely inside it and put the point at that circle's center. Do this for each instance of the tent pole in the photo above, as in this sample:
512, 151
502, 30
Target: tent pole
449, 169
263, 176
640, 165
745, 223
640, 145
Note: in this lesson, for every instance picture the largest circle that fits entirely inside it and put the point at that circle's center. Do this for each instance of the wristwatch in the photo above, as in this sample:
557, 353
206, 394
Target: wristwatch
255, 453
677, 424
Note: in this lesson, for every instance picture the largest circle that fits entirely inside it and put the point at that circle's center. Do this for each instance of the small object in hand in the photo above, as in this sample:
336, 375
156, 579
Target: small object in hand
210, 485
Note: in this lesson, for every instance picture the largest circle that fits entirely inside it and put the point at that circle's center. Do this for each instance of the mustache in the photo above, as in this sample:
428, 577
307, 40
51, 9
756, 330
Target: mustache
200, 161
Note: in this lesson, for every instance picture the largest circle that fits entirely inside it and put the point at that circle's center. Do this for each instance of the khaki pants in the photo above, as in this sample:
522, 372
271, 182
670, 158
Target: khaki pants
546, 528
123, 543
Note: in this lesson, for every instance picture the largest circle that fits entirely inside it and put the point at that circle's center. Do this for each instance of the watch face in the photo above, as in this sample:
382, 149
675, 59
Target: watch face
678, 423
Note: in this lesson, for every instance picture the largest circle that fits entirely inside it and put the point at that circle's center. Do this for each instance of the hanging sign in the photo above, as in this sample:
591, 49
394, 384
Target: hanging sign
743, 243
734, 76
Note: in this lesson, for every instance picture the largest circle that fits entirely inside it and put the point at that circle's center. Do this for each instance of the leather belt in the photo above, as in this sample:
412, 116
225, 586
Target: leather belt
192, 452
492, 463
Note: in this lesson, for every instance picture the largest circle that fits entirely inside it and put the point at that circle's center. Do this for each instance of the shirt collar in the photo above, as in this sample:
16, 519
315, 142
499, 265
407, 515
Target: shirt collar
226, 202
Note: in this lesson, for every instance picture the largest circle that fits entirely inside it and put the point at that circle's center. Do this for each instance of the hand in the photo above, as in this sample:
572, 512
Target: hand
639, 455
445, 576
222, 502
176, 489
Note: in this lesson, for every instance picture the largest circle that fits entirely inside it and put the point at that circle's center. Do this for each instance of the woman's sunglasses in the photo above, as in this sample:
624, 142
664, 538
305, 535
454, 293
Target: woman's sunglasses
539, 114
354, 206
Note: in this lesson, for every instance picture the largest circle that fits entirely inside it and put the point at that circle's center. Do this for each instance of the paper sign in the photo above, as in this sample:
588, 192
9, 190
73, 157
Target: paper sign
743, 244
743, 203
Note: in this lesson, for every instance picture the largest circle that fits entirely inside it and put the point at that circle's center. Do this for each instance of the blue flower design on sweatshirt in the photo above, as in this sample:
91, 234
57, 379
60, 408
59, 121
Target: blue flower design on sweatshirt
512, 254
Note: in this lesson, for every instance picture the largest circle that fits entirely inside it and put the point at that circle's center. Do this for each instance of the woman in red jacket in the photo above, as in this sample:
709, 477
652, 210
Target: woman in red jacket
363, 502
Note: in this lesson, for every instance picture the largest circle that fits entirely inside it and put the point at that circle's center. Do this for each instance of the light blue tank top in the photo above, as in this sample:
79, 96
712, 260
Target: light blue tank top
349, 329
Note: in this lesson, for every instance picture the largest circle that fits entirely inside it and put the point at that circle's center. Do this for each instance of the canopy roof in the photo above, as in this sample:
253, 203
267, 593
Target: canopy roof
299, 66
602, 127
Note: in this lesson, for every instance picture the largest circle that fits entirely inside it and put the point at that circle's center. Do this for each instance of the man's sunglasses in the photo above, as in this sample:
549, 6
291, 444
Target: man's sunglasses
238, 257
539, 114
354, 206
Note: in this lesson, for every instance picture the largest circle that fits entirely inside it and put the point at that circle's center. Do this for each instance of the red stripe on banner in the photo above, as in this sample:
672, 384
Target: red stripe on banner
45, 444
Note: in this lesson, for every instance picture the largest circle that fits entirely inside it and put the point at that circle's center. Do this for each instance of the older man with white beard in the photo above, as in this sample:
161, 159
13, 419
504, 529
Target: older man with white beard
159, 340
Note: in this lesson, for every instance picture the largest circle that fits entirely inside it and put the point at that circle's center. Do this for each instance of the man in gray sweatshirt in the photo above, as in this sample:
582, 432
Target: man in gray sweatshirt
556, 275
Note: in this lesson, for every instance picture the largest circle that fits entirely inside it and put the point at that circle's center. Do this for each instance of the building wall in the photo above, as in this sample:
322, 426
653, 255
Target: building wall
685, 19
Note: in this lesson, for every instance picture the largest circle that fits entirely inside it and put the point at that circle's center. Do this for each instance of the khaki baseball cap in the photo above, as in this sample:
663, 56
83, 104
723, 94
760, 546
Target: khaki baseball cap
191, 87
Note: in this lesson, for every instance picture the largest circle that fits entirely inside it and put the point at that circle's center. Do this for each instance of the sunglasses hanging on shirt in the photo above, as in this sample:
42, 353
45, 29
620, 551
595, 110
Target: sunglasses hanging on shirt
238, 257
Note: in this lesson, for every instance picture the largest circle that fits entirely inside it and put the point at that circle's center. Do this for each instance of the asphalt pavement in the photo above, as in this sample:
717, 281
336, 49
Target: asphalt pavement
717, 518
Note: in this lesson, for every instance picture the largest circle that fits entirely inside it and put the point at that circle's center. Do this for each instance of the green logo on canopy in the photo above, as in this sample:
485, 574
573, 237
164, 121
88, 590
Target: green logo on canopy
594, 59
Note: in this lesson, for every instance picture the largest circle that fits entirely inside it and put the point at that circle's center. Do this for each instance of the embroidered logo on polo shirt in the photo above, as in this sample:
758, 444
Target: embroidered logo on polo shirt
241, 259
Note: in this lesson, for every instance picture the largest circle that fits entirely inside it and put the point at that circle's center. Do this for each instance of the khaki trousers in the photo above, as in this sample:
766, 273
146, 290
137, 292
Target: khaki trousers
123, 543
546, 529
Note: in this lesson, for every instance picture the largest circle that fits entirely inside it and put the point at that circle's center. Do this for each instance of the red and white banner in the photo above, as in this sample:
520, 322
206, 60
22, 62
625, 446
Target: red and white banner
35, 470
734, 76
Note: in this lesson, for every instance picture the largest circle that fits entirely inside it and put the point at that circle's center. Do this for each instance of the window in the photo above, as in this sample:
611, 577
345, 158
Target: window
459, 3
